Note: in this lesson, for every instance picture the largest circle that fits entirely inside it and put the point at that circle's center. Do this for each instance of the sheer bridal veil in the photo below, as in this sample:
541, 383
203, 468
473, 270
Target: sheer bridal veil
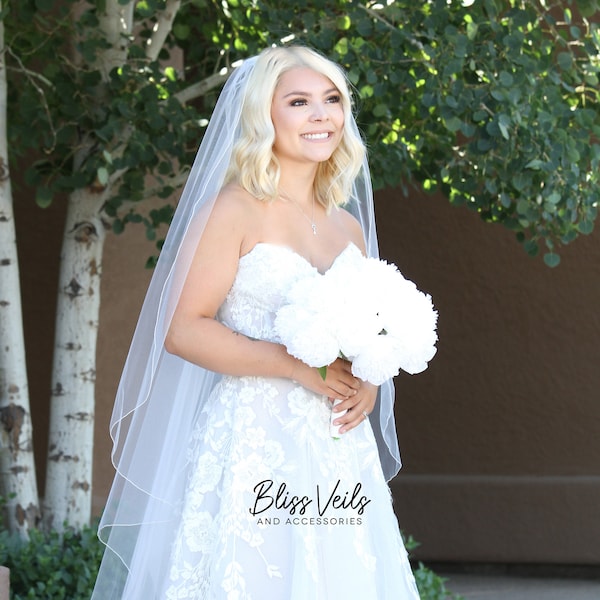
160, 395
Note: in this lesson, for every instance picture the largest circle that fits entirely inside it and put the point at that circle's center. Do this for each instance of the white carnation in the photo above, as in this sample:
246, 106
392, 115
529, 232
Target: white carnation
363, 309
378, 361
306, 335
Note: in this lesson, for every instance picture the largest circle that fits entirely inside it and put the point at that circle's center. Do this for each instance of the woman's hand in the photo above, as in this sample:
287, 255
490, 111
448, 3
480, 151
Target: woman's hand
339, 381
358, 407
358, 397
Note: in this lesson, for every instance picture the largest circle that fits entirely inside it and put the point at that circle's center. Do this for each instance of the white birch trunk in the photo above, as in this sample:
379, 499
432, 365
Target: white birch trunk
67, 498
17, 468
71, 432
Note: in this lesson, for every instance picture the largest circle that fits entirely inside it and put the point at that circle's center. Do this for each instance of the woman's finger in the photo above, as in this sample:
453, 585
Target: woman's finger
343, 386
356, 418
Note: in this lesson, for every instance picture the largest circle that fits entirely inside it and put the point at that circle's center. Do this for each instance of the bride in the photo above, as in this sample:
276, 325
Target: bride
229, 484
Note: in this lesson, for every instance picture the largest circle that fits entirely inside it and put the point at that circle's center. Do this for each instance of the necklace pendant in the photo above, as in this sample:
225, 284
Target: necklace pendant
314, 228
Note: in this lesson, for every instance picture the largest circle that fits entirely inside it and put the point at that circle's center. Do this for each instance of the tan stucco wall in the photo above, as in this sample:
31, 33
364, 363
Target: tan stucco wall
499, 436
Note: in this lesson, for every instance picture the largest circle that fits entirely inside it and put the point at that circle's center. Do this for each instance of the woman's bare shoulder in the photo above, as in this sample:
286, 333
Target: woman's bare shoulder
352, 226
235, 213
233, 207
235, 199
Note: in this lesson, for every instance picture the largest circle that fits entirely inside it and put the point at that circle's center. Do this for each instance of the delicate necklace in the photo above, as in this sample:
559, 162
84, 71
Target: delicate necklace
310, 220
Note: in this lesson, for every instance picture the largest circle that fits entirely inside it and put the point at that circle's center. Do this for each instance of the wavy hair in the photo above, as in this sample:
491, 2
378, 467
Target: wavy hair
254, 166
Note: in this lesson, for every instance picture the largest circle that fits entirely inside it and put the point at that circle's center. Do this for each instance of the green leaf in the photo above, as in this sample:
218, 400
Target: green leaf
322, 372
586, 226
531, 247
568, 16
102, 175
343, 23
520, 181
535, 164
480, 115
472, 30
453, 124
118, 226
506, 79
364, 27
554, 197
468, 129
565, 60
43, 197
380, 110
551, 259
171, 74
568, 237
342, 47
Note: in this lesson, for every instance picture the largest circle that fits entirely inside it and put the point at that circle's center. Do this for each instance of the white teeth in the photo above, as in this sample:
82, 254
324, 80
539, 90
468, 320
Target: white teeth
316, 136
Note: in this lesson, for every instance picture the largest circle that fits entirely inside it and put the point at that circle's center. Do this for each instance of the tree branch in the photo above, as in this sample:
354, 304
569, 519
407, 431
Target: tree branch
152, 192
161, 30
32, 76
375, 14
201, 87
175, 182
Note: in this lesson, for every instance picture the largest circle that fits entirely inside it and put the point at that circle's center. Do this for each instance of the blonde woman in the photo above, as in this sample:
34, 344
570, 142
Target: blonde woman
229, 484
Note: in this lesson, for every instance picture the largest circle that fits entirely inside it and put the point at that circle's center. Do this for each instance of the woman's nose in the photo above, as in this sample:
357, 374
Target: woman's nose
319, 112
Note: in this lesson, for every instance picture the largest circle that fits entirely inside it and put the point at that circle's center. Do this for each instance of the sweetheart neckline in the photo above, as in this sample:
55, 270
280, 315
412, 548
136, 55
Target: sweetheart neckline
300, 256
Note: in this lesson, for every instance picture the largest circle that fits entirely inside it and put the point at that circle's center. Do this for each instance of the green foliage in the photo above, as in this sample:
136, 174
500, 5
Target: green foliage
64, 568
431, 586
50, 566
494, 103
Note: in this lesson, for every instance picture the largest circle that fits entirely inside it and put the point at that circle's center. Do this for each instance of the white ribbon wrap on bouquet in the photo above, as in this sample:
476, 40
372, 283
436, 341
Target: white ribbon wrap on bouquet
334, 430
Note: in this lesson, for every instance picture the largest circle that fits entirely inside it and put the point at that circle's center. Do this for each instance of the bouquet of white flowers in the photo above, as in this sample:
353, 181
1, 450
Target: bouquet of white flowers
364, 310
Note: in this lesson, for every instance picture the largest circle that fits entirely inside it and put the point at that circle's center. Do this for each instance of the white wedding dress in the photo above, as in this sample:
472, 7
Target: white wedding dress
275, 508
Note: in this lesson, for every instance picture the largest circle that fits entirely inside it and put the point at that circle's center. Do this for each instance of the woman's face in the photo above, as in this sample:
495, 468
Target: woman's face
308, 117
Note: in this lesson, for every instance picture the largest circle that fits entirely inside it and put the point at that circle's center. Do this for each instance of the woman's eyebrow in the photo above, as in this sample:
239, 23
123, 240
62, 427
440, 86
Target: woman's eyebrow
307, 94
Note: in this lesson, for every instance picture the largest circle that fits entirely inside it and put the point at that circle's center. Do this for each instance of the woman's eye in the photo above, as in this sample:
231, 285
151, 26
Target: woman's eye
298, 102
334, 99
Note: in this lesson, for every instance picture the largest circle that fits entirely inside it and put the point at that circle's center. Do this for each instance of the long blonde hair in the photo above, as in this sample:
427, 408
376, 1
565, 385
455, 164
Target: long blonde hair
253, 164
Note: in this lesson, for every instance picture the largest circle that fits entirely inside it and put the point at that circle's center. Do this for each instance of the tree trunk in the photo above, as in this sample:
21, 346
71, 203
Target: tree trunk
68, 492
71, 433
17, 466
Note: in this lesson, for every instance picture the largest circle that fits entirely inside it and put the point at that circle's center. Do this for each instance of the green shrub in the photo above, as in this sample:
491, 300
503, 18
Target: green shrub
51, 567
431, 586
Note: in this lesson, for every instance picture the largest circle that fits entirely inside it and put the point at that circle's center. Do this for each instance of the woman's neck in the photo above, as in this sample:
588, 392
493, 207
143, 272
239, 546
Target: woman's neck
298, 185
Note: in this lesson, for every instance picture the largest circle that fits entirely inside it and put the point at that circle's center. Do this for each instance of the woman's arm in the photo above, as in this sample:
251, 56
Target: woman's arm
195, 335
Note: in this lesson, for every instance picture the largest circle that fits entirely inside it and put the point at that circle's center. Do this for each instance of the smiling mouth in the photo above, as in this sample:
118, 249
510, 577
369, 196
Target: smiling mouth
316, 136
